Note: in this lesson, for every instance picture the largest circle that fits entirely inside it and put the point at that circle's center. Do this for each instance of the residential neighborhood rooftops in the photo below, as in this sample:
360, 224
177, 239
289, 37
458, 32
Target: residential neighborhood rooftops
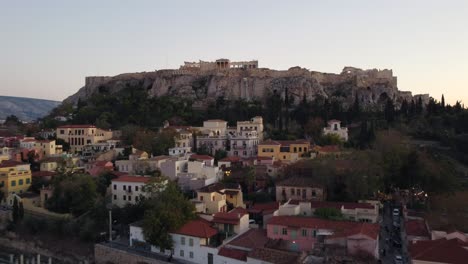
201, 157
128, 178
251, 239
274, 256
43, 173
340, 228
452, 251
337, 205
264, 208
11, 163
217, 187
232, 217
233, 253
197, 228
77, 126
416, 228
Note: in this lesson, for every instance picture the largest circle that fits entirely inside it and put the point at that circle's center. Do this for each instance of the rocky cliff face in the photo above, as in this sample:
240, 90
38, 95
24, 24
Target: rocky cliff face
371, 86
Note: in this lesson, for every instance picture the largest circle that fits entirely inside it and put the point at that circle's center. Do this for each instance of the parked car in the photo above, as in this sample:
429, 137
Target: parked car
398, 259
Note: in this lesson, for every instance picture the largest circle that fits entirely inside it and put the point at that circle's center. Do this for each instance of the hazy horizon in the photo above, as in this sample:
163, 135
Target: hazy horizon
49, 47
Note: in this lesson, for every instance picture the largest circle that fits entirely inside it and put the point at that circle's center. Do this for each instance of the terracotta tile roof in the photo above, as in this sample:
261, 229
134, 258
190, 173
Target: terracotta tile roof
340, 228
201, 157
158, 158
233, 253
328, 148
416, 228
264, 208
232, 217
45, 140
127, 178
11, 163
29, 140
52, 159
102, 163
274, 256
440, 251
299, 181
231, 159
197, 228
77, 126
253, 238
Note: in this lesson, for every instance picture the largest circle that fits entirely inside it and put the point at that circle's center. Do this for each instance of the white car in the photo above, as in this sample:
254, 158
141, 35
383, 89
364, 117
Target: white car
398, 259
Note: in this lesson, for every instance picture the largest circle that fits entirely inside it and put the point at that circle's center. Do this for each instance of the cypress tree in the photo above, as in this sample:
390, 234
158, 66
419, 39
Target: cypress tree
21, 211
15, 210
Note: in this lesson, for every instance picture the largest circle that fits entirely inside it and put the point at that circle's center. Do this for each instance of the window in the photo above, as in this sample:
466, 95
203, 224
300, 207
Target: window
129, 188
298, 191
13, 183
284, 231
275, 230
2, 184
293, 234
129, 197
314, 194
136, 198
136, 188
212, 198
28, 181
300, 149
304, 232
284, 157
181, 253
125, 197
201, 198
191, 254
293, 191
315, 233
190, 242
115, 186
62, 132
125, 187
182, 240
295, 149
115, 197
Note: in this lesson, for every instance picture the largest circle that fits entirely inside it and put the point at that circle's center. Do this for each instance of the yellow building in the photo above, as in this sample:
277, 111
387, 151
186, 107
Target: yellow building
287, 151
15, 178
81, 135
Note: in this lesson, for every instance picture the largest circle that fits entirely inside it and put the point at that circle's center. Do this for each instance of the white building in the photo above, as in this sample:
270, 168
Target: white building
139, 166
359, 212
128, 189
194, 242
334, 127
179, 151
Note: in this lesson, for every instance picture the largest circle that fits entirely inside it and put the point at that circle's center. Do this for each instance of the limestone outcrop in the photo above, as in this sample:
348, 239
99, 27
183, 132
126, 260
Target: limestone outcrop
372, 87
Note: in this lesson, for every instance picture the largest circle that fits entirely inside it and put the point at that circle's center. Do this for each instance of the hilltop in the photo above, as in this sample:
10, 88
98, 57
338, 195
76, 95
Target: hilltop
205, 82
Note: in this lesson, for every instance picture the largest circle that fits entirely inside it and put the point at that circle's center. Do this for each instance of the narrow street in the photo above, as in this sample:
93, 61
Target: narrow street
392, 237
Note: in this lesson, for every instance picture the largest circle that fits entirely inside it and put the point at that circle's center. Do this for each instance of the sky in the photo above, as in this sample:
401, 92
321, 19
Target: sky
47, 48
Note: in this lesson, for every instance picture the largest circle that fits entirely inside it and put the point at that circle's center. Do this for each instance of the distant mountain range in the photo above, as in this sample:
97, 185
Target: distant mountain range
26, 109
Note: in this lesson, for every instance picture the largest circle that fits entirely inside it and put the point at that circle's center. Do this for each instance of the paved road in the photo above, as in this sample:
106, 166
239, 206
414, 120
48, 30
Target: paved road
392, 238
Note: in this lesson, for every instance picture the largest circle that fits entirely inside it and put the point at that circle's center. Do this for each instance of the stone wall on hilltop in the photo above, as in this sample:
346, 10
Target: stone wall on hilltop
371, 86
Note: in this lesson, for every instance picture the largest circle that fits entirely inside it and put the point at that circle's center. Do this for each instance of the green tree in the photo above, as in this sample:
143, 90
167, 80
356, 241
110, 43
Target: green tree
328, 213
166, 212
15, 210
12, 120
74, 194
220, 154
20, 211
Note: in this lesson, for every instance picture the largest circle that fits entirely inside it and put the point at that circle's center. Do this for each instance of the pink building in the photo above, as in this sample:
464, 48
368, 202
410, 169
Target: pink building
303, 233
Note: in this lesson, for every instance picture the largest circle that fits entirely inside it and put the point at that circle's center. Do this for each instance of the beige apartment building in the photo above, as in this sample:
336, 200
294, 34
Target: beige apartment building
79, 136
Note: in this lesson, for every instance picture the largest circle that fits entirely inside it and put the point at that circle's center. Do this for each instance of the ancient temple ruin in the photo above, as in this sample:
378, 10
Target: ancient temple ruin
219, 64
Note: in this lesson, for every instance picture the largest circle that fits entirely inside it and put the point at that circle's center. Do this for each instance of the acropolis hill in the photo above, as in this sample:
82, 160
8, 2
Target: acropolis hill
206, 81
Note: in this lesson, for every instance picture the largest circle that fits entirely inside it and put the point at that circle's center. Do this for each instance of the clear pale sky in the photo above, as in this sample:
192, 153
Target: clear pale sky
48, 47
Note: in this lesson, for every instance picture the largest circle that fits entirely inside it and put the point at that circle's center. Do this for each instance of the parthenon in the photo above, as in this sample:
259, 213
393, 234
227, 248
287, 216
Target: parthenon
219, 64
